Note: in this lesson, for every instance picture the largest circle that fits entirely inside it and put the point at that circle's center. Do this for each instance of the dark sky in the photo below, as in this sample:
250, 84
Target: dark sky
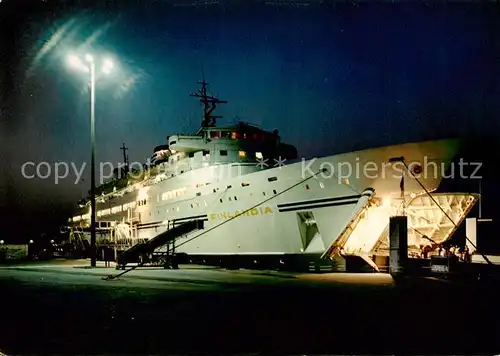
330, 77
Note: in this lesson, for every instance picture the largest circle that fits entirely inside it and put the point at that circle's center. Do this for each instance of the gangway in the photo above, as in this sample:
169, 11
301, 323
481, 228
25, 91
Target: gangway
141, 252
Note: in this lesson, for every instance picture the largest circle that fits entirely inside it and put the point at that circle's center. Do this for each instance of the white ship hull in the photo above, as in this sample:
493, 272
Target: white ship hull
300, 208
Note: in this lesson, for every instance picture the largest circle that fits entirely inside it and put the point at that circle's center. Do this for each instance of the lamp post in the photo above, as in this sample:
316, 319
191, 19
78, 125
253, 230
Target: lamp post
92, 164
77, 63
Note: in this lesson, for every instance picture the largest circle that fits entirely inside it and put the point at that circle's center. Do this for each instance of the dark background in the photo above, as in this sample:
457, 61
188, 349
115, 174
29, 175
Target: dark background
331, 76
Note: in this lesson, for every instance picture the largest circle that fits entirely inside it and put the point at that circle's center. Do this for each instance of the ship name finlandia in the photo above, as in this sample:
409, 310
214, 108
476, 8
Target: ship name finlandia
252, 212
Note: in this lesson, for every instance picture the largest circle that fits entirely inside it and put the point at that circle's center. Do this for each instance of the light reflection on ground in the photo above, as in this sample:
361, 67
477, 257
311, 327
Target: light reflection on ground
67, 308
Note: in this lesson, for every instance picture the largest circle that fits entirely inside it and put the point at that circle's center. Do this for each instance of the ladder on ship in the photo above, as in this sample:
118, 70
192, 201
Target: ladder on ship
142, 252
78, 241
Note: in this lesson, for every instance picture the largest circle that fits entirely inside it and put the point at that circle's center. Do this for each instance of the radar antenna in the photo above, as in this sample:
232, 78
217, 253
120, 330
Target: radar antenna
209, 102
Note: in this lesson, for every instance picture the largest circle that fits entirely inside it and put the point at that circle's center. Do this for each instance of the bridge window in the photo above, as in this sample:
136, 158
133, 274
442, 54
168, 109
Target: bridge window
191, 154
214, 134
242, 153
223, 152
206, 153
258, 155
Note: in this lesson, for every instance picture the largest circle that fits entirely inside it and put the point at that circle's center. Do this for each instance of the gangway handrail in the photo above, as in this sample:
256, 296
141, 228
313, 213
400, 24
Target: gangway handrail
158, 241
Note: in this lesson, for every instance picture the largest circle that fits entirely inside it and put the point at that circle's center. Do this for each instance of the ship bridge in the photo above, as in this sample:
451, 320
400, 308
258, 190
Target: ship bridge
432, 220
246, 140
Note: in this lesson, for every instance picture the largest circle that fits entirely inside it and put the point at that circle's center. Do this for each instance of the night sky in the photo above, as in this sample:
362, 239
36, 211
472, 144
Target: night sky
330, 77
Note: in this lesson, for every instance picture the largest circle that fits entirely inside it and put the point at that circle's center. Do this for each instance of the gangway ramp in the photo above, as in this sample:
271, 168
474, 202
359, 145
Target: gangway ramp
141, 250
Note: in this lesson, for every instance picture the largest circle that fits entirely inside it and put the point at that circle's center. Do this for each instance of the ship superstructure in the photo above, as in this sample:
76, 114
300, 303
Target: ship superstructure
259, 201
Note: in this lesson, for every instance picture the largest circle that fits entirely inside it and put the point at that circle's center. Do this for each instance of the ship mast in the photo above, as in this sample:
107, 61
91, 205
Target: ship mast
209, 103
125, 157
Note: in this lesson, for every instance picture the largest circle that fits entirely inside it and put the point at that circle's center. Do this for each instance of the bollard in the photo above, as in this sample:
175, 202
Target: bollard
398, 245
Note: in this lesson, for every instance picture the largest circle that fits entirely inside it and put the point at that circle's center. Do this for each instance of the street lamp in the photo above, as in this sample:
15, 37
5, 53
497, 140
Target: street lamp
88, 65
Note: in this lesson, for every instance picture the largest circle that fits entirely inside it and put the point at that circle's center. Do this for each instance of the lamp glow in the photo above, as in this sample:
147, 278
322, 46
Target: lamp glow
75, 62
107, 66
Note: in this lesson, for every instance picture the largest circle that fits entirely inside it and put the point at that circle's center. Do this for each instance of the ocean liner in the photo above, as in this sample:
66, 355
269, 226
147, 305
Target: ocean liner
259, 203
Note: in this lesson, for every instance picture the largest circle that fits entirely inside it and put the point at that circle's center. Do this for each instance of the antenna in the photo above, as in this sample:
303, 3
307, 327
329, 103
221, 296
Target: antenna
209, 102
125, 157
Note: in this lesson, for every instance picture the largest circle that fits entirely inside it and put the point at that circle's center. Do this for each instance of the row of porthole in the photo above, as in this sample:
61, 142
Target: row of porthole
271, 179
197, 204
275, 192
236, 198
